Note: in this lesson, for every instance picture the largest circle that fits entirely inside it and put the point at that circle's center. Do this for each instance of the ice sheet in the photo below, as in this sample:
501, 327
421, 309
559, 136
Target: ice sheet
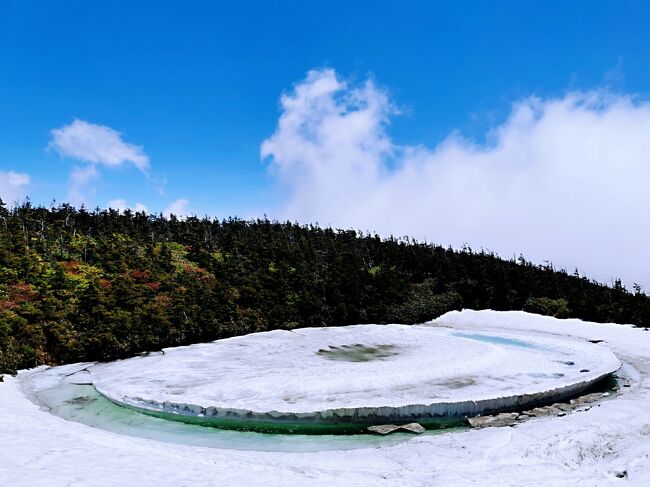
355, 371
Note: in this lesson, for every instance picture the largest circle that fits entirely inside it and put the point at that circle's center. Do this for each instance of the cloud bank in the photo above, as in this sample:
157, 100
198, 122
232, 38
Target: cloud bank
13, 186
561, 179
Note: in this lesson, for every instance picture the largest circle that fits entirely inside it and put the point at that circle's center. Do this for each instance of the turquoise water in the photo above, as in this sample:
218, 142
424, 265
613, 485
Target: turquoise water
83, 404
513, 342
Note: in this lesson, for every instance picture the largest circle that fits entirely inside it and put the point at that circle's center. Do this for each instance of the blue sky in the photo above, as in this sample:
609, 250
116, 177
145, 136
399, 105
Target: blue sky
197, 86
197, 83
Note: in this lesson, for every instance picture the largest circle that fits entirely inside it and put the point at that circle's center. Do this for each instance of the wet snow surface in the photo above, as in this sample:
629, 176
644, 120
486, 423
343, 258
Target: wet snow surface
369, 369
606, 444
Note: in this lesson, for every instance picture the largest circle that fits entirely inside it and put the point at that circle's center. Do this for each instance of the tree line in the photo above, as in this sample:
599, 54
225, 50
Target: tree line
80, 285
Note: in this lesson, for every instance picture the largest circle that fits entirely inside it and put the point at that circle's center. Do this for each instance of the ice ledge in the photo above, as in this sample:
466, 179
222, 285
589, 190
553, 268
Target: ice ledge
433, 413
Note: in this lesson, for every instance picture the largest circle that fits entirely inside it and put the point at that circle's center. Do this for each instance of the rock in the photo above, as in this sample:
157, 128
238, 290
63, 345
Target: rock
544, 411
536, 412
586, 399
592, 397
562, 406
503, 419
553, 410
479, 421
621, 474
557, 409
413, 428
383, 429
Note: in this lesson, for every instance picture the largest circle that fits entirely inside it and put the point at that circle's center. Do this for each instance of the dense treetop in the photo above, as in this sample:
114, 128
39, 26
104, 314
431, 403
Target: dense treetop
78, 285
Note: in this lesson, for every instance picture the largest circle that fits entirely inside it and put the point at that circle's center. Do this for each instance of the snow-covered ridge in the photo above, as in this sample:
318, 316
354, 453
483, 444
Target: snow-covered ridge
421, 372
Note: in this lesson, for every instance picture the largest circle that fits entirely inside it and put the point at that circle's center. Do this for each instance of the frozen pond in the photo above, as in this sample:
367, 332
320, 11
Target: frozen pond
341, 379
600, 444
65, 394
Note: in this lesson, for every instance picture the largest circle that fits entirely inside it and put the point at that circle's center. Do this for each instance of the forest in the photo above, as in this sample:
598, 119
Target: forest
79, 285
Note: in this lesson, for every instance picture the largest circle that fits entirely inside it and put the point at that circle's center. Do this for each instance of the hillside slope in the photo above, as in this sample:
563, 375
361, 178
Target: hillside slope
78, 285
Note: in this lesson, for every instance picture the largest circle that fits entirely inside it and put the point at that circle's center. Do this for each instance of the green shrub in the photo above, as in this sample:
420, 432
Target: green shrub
559, 308
424, 304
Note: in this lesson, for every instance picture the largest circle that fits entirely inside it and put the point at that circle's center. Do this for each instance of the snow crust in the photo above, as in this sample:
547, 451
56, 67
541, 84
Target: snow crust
421, 371
593, 447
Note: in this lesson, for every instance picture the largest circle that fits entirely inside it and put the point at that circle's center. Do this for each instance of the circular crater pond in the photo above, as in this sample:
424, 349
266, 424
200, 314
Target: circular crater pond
65, 392
343, 379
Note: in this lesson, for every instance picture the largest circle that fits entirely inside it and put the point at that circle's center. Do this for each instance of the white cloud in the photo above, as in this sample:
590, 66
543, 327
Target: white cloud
179, 207
120, 204
13, 186
79, 191
562, 179
96, 145
117, 204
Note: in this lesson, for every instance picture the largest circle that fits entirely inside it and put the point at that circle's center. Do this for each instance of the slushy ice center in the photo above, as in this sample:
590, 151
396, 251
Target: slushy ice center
345, 379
